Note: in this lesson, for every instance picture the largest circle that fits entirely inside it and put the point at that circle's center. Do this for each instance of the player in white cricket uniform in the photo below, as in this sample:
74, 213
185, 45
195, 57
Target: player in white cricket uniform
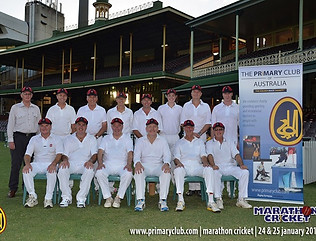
47, 149
62, 115
200, 113
222, 156
227, 112
152, 158
170, 116
80, 152
191, 160
122, 112
95, 114
142, 115
115, 157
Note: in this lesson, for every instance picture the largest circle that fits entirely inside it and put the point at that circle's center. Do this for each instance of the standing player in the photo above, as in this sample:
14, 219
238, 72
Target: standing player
47, 149
170, 116
62, 115
200, 113
22, 125
142, 115
227, 112
95, 114
122, 112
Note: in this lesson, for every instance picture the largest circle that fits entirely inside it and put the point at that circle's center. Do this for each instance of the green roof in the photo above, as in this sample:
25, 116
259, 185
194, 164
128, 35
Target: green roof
97, 26
211, 81
103, 82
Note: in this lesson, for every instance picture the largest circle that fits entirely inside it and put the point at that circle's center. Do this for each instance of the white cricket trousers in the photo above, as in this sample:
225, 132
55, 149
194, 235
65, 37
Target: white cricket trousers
241, 174
41, 168
193, 168
125, 179
85, 182
152, 170
172, 140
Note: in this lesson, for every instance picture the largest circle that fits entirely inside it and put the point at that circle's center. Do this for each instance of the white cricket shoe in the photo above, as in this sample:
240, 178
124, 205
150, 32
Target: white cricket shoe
81, 204
220, 203
65, 203
242, 203
117, 202
48, 203
108, 202
31, 201
140, 205
180, 206
162, 205
212, 206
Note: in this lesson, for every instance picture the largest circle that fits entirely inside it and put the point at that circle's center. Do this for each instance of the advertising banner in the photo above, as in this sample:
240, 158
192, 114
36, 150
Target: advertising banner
271, 131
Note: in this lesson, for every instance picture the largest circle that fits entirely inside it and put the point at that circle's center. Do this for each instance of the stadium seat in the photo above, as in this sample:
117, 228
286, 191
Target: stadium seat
230, 179
128, 194
149, 179
194, 179
77, 177
40, 177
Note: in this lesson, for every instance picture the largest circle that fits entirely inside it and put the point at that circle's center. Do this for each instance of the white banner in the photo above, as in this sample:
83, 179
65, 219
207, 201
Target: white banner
271, 131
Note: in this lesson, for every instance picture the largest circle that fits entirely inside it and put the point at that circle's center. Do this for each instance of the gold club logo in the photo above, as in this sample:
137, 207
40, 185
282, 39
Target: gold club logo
3, 220
286, 122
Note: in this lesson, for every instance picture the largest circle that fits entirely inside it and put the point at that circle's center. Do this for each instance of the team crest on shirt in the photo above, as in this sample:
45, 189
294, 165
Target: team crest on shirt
51, 145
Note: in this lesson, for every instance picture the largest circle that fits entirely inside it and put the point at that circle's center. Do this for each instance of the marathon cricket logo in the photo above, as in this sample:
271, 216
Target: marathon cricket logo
286, 122
3, 221
285, 214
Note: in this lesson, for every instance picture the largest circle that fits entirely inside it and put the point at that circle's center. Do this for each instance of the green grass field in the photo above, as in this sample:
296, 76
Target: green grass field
97, 223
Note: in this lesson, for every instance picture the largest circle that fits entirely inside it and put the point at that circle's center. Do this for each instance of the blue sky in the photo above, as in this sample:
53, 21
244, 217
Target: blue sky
194, 8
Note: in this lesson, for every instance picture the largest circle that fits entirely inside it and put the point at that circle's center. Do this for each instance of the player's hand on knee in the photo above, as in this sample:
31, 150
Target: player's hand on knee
100, 166
27, 168
166, 168
51, 168
179, 164
139, 168
128, 167
64, 164
88, 165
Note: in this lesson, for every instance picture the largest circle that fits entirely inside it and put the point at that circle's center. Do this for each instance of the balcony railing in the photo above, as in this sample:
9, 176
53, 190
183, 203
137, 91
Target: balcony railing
288, 57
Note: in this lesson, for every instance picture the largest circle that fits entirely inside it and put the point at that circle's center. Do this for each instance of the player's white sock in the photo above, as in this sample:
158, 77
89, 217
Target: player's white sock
180, 197
210, 197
